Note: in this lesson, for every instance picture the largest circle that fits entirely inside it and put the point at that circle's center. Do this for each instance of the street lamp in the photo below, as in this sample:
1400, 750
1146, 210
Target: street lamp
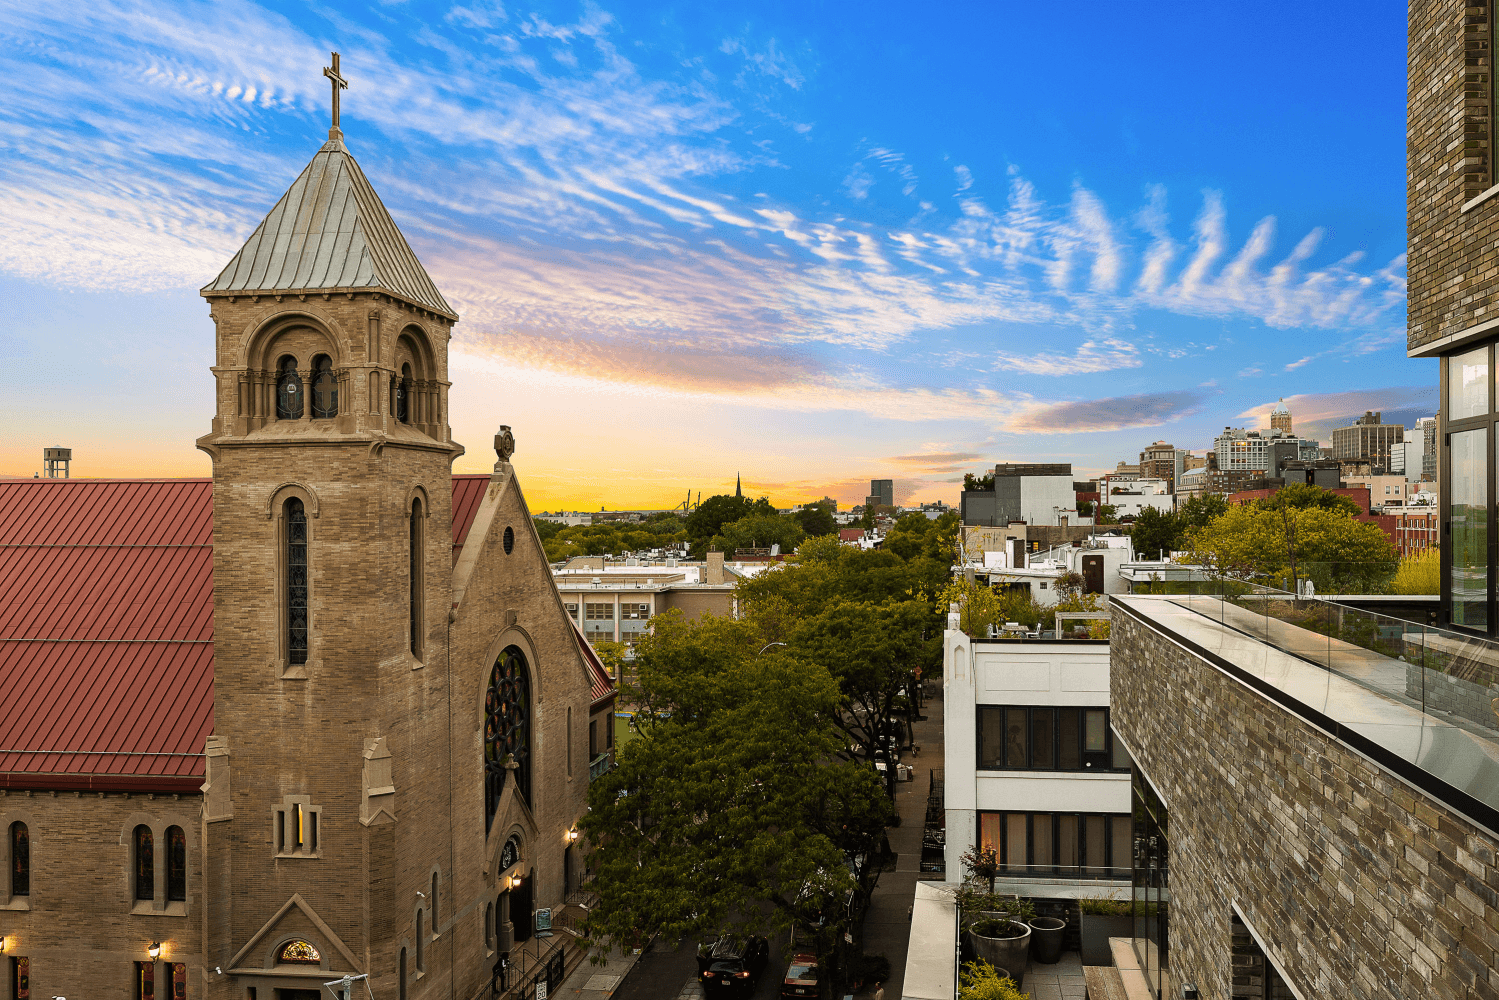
154, 950
768, 645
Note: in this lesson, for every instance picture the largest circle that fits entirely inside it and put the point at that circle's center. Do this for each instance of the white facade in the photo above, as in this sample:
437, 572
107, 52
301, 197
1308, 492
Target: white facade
1134, 495
1240, 450
1097, 561
1054, 680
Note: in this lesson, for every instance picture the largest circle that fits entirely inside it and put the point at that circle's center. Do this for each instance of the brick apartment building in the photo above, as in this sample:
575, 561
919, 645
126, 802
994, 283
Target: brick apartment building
322, 714
1316, 789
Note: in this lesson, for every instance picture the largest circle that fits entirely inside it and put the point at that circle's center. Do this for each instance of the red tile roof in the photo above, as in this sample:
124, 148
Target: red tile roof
106, 630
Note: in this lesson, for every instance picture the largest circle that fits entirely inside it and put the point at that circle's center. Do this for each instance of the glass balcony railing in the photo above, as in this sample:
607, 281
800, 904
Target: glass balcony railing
1423, 701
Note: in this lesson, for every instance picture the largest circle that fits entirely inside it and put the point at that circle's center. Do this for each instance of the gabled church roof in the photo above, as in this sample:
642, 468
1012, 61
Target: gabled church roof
330, 231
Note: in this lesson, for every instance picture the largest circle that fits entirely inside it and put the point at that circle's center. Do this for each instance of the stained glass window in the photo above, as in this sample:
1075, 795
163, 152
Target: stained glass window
288, 390
299, 953
324, 388
296, 581
20, 860
176, 864
507, 732
145, 864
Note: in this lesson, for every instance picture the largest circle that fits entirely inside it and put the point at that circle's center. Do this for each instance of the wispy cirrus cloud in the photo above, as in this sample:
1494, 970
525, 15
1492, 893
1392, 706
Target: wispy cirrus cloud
576, 208
1101, 355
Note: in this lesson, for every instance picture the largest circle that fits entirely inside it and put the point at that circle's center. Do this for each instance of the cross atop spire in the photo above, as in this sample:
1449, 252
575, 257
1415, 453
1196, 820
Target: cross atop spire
338, 83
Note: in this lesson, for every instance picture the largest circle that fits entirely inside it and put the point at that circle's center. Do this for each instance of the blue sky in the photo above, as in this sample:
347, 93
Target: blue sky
813, 244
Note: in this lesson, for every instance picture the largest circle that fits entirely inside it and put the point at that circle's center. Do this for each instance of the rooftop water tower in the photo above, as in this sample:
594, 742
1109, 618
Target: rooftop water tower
55, 462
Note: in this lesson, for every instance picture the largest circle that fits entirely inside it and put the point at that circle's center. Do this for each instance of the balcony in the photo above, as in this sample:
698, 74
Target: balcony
601, 765
1422, 702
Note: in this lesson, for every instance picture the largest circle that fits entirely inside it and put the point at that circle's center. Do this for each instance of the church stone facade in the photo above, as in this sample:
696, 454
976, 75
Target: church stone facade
400, 703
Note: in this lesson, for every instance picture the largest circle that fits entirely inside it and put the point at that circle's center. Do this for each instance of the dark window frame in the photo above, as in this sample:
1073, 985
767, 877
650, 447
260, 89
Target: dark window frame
298, 632
176, 865
1088, 761
1080, 871
1447, 427
20, 859
144, 867
324, 385
289, 402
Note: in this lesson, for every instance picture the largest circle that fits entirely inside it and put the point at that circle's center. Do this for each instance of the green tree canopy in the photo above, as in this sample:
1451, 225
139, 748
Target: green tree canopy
733, 812
1304, 496
760, 531
817, 519
1327, 546
715, 512
1155, 532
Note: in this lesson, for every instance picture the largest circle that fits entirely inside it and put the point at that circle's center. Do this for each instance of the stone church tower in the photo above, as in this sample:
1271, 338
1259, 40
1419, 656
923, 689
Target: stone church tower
377, 798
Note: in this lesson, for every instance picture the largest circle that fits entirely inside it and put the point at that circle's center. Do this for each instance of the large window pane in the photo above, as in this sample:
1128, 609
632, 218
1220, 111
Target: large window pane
1068, 740
1015, 738
1096, 729
1469, 529
1468, 384
1043, 756
1041, 840
991, 736
1067, 845
1119, 846
1015, 855
989, 831
1095, 845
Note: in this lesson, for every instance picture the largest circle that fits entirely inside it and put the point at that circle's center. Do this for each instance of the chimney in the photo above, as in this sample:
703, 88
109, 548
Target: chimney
714, 569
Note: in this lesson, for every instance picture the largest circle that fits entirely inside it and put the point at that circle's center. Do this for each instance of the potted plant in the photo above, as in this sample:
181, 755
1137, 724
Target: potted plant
1001, 941
982, 981
1046, 939
982, 862
1103, 917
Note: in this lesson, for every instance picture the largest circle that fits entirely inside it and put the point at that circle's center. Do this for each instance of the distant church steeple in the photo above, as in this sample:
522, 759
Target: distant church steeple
738, 490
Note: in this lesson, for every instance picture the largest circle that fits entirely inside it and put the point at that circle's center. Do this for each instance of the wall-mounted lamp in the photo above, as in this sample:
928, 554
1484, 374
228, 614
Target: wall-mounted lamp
154, 950
2, 945
515, 881
572, 835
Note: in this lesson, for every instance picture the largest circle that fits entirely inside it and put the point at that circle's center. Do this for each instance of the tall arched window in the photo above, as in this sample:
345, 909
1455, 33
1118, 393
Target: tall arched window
176, 864
416, 577
507, 729
288, 390
296, 581
324, 388
435, 923
403, 395
20, 860
420, 966
145, 863
401, 976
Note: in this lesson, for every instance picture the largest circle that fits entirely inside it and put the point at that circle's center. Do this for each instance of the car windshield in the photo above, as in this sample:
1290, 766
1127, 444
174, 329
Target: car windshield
807, 973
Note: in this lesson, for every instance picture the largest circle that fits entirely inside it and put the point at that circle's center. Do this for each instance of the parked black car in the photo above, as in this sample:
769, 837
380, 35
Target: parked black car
730, 966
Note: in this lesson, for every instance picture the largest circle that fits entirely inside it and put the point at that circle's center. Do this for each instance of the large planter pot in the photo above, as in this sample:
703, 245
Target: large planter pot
1096, 931
1046, 939
1003, 953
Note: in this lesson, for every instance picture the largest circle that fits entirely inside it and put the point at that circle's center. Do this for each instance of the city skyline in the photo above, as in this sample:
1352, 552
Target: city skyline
771, 242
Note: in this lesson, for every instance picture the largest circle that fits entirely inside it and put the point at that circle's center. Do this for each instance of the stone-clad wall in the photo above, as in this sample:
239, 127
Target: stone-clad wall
1453, 267
1360, 885
81, 927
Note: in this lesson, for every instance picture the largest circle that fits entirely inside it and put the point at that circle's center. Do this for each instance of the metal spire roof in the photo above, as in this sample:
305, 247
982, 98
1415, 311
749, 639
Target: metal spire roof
330, 232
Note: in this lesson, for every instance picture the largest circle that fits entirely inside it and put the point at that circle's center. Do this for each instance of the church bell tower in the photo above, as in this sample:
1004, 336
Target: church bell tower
332, 574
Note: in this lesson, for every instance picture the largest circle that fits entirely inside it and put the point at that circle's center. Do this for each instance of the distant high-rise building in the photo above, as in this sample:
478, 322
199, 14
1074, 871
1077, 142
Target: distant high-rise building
1160, 461
884, 489
1427, 428
1280, 417
1368, 440
1240, 450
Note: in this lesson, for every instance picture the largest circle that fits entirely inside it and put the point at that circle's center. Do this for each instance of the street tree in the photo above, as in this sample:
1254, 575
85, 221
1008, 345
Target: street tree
816, 519
734, 812
760, 531
1282, 546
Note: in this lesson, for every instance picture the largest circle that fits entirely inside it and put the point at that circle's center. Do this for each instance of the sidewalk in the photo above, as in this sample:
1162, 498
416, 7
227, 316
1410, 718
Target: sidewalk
887, 925
596, 982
